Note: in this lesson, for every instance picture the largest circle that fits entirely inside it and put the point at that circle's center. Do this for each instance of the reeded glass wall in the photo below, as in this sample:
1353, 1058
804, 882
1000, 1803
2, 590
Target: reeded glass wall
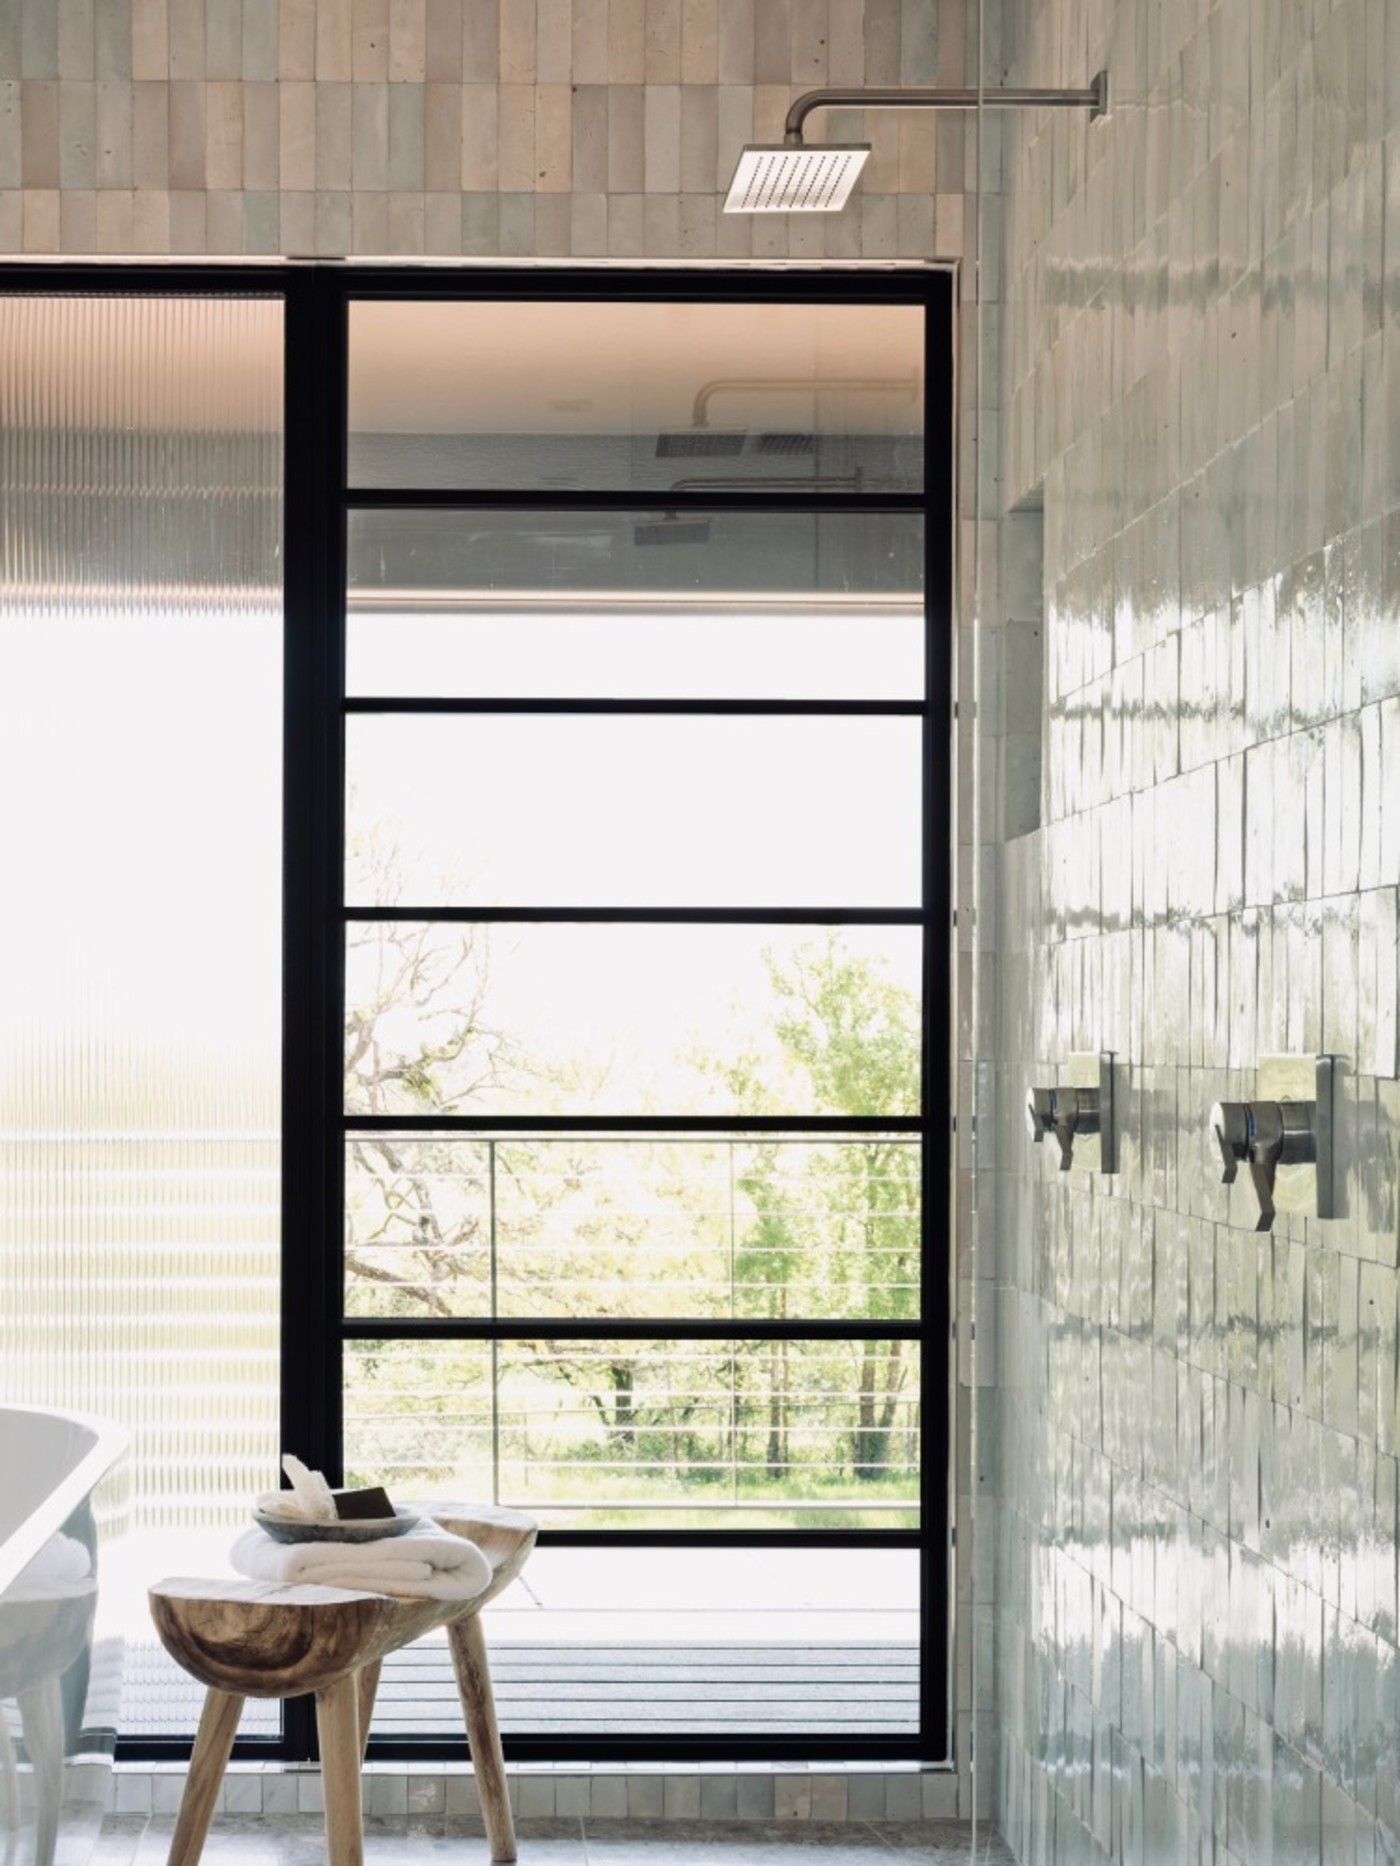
140, 953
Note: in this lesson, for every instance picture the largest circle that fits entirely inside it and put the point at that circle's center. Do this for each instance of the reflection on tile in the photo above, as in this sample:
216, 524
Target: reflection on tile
292, 1840
243, 1840
560, 1842
944, 1843
118, 1840
731, 1843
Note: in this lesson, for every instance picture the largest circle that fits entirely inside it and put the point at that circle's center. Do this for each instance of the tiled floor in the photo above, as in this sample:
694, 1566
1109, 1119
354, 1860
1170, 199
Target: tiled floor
298, 1840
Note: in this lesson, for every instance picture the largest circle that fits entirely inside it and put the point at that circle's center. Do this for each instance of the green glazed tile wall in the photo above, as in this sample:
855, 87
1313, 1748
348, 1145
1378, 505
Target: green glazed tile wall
1193, 1437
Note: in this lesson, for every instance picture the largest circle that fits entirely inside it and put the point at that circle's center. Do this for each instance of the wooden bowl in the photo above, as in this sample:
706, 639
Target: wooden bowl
365, 1529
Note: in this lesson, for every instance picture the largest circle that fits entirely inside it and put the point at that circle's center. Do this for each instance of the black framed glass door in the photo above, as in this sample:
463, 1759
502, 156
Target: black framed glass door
628, 709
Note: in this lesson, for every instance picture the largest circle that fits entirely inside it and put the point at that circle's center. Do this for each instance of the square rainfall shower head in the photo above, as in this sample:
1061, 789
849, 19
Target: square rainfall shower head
786, 178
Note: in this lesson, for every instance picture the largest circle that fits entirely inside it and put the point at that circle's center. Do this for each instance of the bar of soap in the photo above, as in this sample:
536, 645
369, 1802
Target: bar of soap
357, 1506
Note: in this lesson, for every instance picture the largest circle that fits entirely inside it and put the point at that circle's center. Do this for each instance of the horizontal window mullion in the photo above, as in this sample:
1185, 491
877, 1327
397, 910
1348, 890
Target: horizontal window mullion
386, 498
898, 282
137, 280
641, 1746
646, 1746
647, 916
816, 1125
617, 1328
761, 709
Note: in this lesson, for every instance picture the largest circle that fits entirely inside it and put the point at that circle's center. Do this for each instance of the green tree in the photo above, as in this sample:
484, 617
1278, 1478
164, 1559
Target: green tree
849, 1035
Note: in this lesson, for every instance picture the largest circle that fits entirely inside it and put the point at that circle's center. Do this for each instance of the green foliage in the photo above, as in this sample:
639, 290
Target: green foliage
853, 1030
753, 1229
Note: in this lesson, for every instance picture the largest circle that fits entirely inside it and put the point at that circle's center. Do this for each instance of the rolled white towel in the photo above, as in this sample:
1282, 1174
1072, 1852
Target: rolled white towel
62, 1558
62, 1570
426, 1563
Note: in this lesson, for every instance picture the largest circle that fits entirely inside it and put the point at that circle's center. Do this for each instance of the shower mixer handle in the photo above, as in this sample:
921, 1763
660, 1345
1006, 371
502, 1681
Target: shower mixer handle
1263, 1135
1063, 1112
1229, 1123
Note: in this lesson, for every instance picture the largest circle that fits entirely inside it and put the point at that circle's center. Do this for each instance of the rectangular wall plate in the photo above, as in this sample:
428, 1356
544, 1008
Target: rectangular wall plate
1307, 1189
1095, 1153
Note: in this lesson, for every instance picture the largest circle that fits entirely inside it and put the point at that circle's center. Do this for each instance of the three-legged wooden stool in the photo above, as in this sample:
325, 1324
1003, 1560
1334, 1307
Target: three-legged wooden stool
255, 1639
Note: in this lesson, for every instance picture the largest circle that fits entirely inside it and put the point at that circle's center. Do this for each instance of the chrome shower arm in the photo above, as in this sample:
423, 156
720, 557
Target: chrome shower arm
772, 482
795, 385
935, 97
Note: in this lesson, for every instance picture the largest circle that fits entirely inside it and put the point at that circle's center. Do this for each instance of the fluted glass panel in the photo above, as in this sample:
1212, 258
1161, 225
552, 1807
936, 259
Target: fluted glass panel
140, 803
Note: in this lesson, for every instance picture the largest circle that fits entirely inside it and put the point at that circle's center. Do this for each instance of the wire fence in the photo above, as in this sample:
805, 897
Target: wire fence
728, 1229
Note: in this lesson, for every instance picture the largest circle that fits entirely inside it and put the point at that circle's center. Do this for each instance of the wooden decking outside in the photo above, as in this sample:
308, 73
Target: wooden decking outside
586, 1690
685, 1641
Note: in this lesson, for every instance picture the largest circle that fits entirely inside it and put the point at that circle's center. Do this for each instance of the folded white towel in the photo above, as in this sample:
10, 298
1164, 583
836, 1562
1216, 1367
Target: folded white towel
425, 1563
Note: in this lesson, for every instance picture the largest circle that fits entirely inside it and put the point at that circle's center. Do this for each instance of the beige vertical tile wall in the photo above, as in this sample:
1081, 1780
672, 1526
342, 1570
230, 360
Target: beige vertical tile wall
1195, 1426
486, 128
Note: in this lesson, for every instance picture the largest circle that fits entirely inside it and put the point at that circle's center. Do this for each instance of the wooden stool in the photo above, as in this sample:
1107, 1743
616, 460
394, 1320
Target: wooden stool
256, 1639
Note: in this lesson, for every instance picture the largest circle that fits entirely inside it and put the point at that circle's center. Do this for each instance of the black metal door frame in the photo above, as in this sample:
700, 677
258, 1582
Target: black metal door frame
317, 502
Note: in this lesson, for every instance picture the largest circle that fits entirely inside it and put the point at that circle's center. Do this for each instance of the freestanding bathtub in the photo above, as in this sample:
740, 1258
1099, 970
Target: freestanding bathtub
50, 1463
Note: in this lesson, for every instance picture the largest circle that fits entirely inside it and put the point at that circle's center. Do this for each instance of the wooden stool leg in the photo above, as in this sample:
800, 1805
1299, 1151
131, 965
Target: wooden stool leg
217, 1724
41, 1714
479, 1708
338, 1725
368, 1680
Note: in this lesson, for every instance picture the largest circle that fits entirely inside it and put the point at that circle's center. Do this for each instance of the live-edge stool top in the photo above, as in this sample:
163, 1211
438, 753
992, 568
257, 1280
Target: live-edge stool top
278, 1640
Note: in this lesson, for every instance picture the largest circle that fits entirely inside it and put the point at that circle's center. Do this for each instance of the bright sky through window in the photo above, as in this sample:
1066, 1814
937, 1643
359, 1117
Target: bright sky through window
592, 810
734, 648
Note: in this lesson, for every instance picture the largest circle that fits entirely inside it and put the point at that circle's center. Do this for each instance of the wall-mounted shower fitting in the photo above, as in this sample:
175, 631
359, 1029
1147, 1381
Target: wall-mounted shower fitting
1284, 1137
1059, 1113
1078, 1114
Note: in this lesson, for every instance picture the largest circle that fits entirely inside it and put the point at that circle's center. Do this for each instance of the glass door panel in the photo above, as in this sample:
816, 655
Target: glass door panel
682, 1226
638, 990
744, 1643
645, 604
597, 810
650, 397
607, 1433
617, 1019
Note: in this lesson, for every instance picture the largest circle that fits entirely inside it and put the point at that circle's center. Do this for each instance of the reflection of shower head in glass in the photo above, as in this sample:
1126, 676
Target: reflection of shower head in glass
701, 441
774, 482
677, 527
796, 177
671, 528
